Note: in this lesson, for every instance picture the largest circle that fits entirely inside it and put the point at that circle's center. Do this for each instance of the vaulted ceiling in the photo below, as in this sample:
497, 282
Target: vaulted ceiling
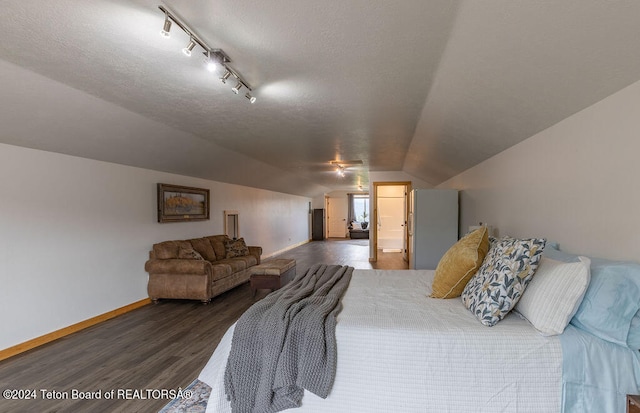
428, 87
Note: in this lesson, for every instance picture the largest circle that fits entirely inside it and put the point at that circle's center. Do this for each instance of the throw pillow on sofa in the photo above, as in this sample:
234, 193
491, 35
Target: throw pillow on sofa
236, 248
189, 254
203, 246
169, 249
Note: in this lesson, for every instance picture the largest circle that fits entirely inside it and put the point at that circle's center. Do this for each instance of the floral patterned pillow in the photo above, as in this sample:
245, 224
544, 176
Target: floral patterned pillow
236, 248
502, 278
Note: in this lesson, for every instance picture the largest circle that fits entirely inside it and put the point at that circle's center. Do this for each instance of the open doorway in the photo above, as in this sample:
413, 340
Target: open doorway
389, 220
348, 215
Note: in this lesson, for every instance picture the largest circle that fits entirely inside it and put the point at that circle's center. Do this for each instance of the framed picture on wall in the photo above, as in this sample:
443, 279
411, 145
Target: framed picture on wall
182, 203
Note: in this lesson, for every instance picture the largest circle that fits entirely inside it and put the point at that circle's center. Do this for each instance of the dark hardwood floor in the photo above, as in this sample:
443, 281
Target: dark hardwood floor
162, 346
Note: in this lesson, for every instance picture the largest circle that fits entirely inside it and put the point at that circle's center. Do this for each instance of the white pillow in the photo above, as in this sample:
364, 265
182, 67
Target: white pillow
554, 294
356, 225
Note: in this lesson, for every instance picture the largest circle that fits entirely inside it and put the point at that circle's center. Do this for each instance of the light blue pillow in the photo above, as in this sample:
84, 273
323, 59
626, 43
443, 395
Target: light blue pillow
552, 251
633, 341
611, 302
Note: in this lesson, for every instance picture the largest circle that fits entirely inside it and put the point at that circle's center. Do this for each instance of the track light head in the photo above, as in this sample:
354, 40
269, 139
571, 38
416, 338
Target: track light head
166, 28
187, 50
210, 61
252, 99
237, 88
224, 77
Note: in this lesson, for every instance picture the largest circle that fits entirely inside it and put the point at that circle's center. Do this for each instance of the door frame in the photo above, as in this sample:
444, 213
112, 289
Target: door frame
373, 231
326, 217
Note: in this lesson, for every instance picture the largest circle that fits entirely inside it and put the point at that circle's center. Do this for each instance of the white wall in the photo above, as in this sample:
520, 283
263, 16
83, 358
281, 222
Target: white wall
75, 234
396, 176
575, 183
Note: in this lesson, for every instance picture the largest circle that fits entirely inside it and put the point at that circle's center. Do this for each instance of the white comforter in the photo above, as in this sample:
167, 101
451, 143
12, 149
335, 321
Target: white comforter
400, 351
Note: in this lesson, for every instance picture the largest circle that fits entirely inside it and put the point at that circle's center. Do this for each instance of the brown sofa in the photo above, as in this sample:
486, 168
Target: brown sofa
199, 269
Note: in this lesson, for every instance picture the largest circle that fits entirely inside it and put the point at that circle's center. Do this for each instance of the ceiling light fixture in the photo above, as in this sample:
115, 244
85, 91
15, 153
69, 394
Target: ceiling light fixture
344, 163
213, 57
236, 88
224, 77
166, 29
187, 50
210, 61
341, 165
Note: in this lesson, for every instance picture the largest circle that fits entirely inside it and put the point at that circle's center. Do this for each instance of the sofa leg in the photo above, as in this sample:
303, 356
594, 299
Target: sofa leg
155, 300
205, 302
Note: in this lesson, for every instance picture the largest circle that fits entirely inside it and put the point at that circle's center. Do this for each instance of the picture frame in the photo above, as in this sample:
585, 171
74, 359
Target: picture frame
182, 203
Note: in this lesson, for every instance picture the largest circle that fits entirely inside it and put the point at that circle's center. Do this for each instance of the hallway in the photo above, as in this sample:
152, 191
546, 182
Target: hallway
352, 252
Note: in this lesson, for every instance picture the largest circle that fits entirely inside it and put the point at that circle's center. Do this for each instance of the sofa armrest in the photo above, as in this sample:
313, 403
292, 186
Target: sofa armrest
178, 266
256, 252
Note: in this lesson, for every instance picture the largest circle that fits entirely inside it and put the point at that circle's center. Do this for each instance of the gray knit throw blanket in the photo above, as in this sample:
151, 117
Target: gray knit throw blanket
286, 343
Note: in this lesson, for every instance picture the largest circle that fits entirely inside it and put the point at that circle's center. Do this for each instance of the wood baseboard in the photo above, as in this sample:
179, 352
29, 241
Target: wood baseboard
290, 247
54, 335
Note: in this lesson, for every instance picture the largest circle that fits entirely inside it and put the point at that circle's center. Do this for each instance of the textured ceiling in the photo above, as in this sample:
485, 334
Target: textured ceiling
428, 87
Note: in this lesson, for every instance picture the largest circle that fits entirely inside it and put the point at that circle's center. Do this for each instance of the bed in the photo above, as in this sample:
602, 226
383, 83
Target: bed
401, 350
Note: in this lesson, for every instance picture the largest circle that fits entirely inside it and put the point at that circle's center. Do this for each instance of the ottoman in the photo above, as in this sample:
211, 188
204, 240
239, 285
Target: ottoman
272, 274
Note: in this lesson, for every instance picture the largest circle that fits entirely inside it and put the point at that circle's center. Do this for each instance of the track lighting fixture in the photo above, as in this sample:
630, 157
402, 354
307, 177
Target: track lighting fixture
341, 165
210, 61
213, 57
166, 28
224, 77
187, 50
236, 88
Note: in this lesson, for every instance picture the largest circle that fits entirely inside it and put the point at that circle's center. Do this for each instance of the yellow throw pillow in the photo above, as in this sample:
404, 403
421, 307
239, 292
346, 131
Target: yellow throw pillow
459, 264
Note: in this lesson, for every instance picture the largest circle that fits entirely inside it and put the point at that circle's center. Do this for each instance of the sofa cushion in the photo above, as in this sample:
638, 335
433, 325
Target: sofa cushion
220, 270
236, 264
235, 248
217, 243
203, 246
169, 249
249, 260
189, 254
176, 266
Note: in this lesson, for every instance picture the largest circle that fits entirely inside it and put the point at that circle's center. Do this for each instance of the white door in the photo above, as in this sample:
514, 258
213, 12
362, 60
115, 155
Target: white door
337, 211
